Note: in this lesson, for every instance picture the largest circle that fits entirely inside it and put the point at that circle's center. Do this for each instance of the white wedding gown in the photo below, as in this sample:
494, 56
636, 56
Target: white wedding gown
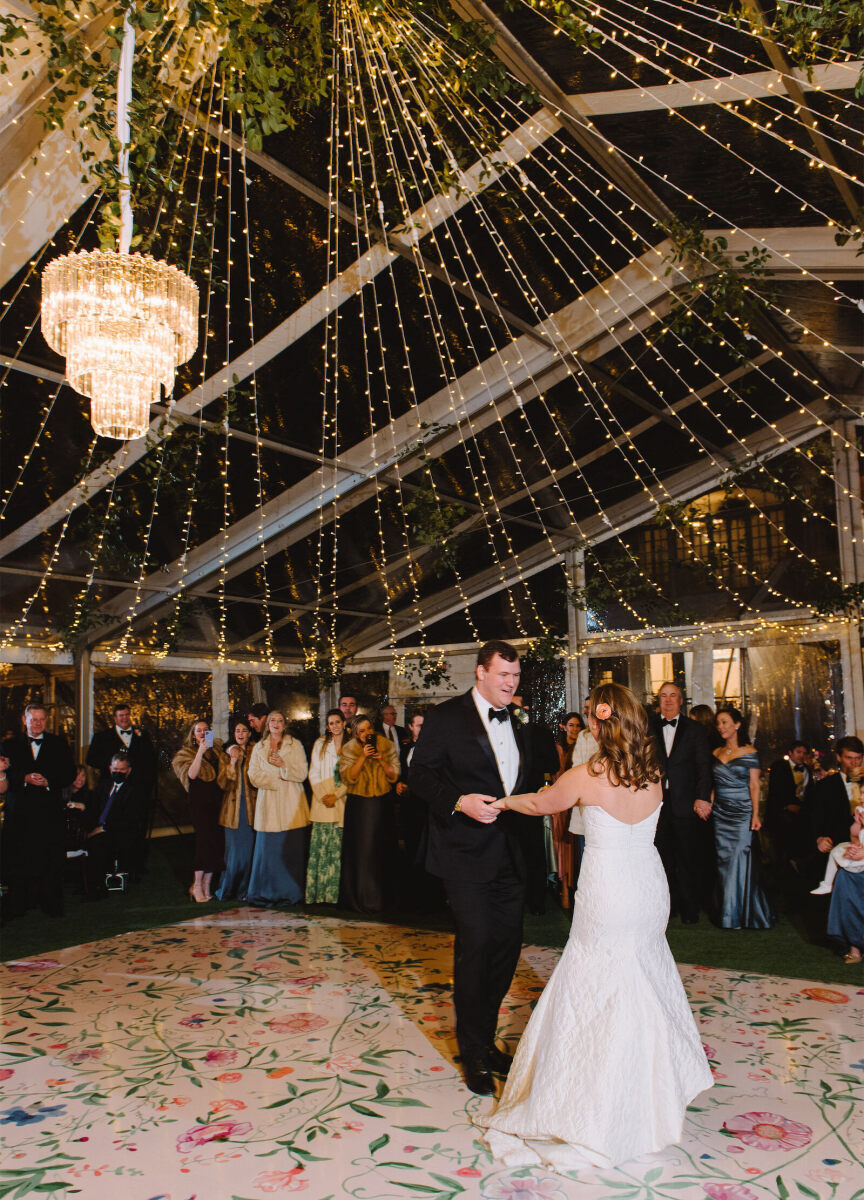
611, 1056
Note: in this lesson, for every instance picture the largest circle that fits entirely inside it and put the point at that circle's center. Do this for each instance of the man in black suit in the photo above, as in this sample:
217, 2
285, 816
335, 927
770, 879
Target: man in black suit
829, 805
684, 829
256, 718
115, 819
393, 732
469, 754
40, 767
123, 735
788, 782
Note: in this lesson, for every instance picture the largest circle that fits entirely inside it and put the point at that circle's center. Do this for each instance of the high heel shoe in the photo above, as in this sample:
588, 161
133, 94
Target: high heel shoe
197, 893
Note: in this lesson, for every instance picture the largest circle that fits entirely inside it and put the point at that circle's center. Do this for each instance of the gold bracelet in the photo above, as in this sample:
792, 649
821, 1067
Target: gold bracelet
457, 807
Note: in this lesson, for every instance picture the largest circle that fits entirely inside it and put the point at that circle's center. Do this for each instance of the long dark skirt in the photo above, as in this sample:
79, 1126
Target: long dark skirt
205, 801
846, 915
279, 868
239, 847
369, 853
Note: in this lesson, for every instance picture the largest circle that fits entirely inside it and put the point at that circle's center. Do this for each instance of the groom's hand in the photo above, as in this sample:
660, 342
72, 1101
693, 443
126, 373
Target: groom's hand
479, 808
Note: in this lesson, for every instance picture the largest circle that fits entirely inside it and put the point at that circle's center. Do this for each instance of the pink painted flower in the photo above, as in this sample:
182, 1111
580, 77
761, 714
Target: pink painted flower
296, 1023
193, 1021
216, 1131
353, 1126
77, 1057
306, 980
343, 1062
522, 1189
710, 1052
826, 995
222, 1106
768, 1131
468, 1172
728, 1191
229, 1077
281, 1181
6, 1073
33, 964
827, 1175
222, 1058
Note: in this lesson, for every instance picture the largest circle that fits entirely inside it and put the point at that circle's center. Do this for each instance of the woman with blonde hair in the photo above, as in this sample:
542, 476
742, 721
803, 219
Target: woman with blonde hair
327, 813
202, 769
277, 769
611, 1056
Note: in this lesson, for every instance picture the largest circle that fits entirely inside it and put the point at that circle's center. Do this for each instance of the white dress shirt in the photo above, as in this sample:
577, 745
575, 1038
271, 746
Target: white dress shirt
669, 732
503, 742
35, 747
390, 732
125, 736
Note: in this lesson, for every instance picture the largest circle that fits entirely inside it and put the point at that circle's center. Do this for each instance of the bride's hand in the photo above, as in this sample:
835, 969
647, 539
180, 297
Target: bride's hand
499, 805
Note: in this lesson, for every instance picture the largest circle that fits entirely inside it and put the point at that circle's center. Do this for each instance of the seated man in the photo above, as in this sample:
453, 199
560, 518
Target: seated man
119, 811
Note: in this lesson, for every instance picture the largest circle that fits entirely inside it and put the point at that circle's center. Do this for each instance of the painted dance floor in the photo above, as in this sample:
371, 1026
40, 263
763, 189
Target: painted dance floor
254, 1054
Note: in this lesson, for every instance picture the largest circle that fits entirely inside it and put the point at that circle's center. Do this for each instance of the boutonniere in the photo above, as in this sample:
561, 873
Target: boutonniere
137, 732
519, 714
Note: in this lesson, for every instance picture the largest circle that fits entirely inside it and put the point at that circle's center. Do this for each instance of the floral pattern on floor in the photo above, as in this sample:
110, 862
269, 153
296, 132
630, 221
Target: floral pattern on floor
254, 1054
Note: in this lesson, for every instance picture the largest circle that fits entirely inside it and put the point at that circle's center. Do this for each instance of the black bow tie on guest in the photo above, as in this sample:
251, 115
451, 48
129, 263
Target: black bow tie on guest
38, 740
666, 721
499, 714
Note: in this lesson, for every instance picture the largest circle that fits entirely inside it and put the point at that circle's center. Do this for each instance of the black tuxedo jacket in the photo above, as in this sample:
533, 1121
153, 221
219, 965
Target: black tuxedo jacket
142, 756
781, 790
687, 769
128, 811
35, 818
828, 809
454, 757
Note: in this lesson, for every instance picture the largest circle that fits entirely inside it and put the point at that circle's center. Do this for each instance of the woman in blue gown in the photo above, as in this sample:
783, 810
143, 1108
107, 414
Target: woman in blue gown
741, 902
237, 816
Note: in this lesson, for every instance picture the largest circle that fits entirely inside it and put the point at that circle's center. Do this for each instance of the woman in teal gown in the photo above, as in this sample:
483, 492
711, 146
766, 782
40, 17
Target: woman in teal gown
740, 899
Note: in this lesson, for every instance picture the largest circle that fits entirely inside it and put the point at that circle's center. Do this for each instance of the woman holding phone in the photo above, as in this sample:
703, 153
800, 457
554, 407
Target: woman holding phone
202, 769
277, 769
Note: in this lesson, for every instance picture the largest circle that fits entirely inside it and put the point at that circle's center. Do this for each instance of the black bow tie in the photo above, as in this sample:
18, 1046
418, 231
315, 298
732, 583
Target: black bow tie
666, 721
499, 714
38, 740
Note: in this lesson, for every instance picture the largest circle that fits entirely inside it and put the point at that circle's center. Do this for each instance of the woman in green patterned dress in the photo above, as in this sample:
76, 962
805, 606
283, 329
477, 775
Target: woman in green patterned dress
327, 813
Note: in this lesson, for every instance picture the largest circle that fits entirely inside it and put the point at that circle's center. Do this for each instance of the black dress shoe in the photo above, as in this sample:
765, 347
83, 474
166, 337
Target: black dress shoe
498, 1061
477, 1077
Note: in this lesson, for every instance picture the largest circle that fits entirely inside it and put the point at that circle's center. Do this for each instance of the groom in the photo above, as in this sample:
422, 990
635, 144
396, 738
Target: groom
470, 753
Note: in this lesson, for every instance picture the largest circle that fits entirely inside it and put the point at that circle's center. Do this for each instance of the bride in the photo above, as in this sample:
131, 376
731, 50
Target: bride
611, 1056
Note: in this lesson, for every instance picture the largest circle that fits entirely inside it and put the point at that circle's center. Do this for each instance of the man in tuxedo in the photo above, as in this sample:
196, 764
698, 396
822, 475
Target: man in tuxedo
116, 819
123, 735
257, 720
420, 890
829, 806
684, 830
348, 708
40, 767
470, 753
788, 782
393, 732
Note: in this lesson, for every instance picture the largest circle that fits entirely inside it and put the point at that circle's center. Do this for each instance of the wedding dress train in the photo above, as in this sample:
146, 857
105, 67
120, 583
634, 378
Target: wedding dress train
611, 1056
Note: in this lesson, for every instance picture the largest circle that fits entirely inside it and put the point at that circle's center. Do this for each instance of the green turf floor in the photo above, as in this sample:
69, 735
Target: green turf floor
796, 947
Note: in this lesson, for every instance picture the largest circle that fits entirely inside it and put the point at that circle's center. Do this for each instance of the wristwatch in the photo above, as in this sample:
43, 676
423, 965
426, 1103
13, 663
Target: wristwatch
457, 807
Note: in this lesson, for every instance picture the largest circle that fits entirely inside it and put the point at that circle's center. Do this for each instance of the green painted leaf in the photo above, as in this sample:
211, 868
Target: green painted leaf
782, 1190
379, 1143
420, 1128
806, 1191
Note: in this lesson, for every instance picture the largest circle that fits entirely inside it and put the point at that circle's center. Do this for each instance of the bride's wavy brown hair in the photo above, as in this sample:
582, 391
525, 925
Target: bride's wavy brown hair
626, 749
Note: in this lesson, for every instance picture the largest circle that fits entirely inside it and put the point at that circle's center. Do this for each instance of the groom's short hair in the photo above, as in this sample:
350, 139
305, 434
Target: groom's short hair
488, 651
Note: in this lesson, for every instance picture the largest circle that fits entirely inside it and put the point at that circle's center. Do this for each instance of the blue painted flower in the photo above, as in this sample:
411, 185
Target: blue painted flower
859, 1066
20, 1116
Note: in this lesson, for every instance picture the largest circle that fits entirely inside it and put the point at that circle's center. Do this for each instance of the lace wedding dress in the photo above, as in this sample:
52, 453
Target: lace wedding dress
611, 1056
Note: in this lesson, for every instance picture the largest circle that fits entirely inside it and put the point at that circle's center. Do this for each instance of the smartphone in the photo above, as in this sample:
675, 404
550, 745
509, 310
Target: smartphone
208, 739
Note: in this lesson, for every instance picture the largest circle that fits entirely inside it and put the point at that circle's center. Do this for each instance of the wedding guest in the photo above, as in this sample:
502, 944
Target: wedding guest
34, 824
420, 890
564, 841
237, 815
830, 806
122, 734
256, 719
369, 766
705, 715
393, 732
741, 901
585, 748
202, 769
348, 708
683, 831
78, 799
544, 759
115, 819
327, 812
277, 769
789, 779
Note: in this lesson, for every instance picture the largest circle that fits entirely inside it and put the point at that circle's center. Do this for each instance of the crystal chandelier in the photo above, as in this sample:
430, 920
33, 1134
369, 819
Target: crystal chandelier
123, 321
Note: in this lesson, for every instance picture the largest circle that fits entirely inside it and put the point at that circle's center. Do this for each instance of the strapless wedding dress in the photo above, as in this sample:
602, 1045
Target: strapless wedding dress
611, 1056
